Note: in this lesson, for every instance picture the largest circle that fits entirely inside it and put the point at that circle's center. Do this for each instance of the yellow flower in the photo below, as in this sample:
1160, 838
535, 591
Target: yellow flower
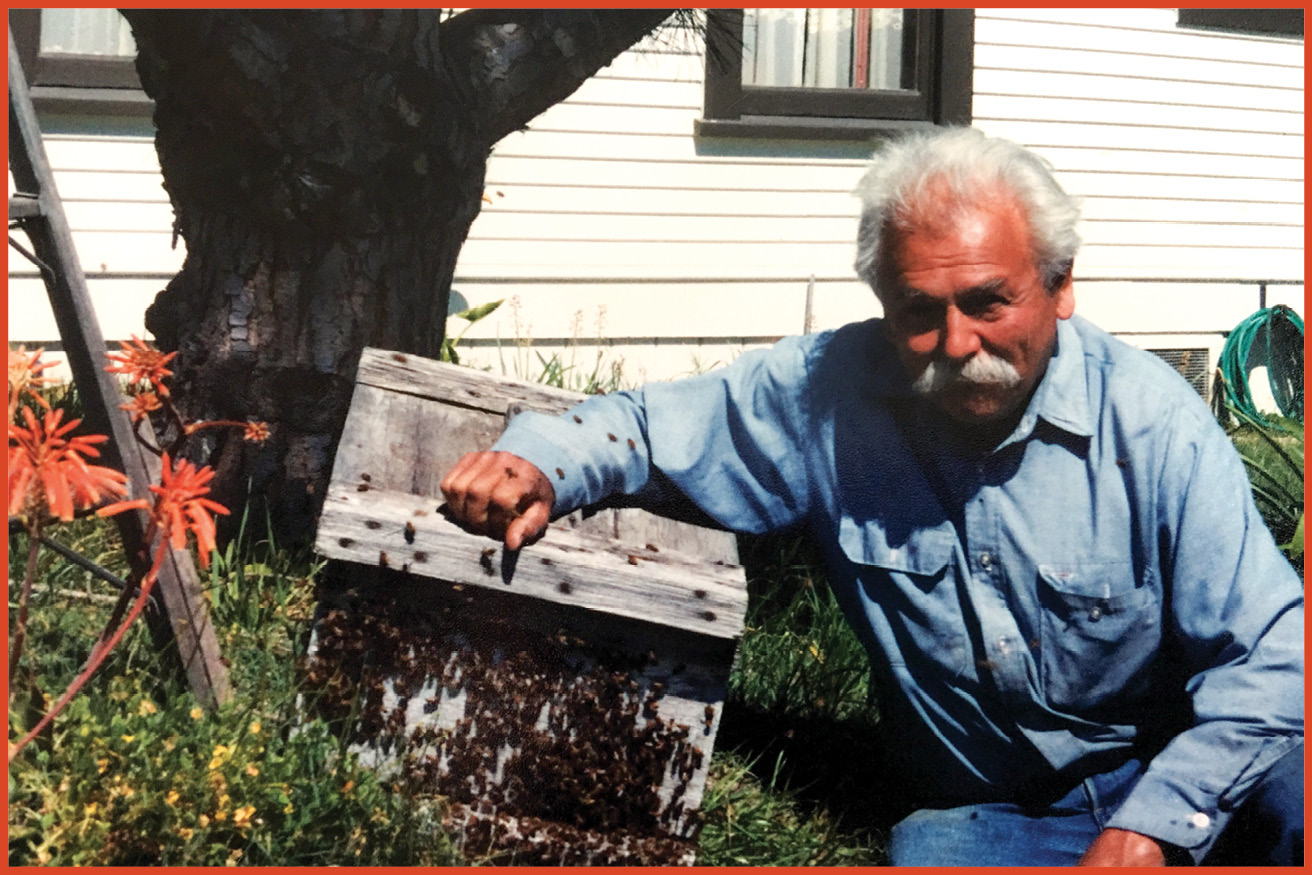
348, 786
233, 857
197, 713
220, 815
169, 744
203, 820
127, 739
252, 770
242, 816
255, 727
288, 809
101, 765
224, 799
42, 856
172, 798
91, 808
220, 753
186, 833
146, 707
128, 791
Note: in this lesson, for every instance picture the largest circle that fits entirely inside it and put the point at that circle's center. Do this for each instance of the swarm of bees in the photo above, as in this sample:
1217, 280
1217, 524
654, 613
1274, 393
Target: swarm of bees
559, 756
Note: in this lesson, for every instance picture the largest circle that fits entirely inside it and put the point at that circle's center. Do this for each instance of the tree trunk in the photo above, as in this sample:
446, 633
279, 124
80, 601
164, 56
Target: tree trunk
324, 168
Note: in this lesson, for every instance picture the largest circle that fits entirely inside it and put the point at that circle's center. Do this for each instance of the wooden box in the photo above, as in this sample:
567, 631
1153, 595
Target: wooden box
566, 697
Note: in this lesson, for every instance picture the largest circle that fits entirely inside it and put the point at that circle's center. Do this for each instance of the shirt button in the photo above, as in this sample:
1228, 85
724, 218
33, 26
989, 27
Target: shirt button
1200, 820
1095, 613
985, 560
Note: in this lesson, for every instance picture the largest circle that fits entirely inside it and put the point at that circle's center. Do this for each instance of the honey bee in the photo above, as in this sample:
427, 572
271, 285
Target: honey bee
409, 532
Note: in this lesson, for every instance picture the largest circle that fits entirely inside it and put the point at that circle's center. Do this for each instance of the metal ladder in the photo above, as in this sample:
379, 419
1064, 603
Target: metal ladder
36, 208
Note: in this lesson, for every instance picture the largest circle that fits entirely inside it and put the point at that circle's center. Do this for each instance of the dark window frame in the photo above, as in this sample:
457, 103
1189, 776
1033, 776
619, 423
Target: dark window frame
75, 83
1263, 22
941, 93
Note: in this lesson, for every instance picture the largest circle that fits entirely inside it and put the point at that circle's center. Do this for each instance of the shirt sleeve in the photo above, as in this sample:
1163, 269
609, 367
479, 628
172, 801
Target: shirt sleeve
1235, 608
731, 441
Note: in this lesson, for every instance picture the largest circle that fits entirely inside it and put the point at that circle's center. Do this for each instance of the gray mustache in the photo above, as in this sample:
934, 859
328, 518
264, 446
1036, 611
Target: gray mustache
981, 369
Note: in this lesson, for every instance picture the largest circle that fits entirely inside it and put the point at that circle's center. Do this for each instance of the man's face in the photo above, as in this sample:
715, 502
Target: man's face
968, 313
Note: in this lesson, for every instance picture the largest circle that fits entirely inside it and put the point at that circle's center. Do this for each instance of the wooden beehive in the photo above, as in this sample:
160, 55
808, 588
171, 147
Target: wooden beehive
565, 697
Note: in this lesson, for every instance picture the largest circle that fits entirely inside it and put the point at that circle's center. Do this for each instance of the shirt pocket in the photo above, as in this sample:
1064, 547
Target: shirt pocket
1101, 631
909, 596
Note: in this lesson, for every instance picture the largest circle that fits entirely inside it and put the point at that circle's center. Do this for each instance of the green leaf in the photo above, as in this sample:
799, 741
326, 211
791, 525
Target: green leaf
473, 314
1295, 545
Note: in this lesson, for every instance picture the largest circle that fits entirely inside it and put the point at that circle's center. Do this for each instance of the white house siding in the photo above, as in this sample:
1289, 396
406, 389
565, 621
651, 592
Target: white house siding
608, 218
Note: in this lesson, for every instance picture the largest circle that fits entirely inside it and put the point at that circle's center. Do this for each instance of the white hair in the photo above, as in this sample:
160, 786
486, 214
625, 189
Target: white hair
970, 165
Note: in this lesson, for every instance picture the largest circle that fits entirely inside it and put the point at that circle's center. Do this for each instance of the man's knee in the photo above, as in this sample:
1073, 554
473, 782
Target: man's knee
1267, 830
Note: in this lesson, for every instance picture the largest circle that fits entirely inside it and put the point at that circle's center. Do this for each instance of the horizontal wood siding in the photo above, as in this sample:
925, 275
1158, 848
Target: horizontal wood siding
1186, 144
1185, 147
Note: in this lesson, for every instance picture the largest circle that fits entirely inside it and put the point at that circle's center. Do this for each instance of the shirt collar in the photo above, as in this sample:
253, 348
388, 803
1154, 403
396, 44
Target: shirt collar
1062, 398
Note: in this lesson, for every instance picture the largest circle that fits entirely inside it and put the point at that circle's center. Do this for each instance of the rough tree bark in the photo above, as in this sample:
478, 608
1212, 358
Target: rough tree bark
324, 168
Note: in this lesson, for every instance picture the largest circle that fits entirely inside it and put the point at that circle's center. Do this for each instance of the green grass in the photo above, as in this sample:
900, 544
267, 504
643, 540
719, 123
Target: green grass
135, 773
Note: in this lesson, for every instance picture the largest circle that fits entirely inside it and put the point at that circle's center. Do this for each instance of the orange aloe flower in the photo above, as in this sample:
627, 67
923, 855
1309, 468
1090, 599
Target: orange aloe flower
256, 432
180, 506
139, 361
25, 376
49, 468
142, 405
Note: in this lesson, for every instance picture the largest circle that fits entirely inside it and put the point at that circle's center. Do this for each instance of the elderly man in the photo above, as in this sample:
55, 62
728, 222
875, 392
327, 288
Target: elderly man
1088, 645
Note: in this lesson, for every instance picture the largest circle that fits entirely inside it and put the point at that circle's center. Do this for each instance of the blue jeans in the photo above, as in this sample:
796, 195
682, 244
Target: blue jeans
1266, 830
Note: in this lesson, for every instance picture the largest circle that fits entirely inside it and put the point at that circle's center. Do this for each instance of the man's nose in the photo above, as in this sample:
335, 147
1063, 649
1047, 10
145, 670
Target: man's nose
960, 341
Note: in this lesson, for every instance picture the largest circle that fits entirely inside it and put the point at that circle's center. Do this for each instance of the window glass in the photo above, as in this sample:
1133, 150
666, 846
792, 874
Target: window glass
86, 32
828, 48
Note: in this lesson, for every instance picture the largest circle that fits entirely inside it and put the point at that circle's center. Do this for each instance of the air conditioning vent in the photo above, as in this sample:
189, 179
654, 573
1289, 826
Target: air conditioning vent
1192, 364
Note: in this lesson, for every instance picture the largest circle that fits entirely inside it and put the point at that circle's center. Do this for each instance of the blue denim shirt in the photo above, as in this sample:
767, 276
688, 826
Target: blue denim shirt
1035, 613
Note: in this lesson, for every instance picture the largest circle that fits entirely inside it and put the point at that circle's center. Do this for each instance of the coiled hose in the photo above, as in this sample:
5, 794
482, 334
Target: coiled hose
1271, 337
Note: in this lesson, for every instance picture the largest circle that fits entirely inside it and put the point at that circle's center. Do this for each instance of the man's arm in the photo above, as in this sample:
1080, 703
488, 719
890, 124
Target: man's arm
1235, 615
730, 441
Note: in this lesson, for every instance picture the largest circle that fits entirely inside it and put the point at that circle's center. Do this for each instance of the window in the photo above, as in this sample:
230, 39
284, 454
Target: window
836, 73
1267, 22
78, 60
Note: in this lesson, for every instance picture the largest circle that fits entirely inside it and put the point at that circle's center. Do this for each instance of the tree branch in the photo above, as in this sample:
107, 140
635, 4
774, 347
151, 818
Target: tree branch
517, 63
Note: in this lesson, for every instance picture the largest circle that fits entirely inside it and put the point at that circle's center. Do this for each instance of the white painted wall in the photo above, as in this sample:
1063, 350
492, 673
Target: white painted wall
1185, 146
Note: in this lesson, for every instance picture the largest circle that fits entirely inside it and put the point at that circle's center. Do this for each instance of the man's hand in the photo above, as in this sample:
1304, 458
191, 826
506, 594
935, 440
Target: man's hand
500, 495
1120, 847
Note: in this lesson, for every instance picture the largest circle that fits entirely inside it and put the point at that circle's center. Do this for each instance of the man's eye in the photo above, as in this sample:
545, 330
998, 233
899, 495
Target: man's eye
919, 313
984, 306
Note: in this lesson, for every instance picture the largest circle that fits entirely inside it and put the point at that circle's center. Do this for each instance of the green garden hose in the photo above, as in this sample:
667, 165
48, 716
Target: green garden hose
1271, 337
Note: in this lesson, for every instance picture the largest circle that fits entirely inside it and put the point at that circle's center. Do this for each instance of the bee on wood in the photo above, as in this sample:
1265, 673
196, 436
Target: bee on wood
372, 524
345, 542
632, 445
382, 558
633, 560
409, 532
577, 419
366, 478
485, 560
363, 487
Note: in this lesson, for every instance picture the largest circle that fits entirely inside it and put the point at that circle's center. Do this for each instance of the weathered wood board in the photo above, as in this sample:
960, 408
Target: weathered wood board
564, 697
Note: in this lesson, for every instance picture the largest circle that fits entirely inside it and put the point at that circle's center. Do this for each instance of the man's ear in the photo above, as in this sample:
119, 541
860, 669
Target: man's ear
1065, 295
